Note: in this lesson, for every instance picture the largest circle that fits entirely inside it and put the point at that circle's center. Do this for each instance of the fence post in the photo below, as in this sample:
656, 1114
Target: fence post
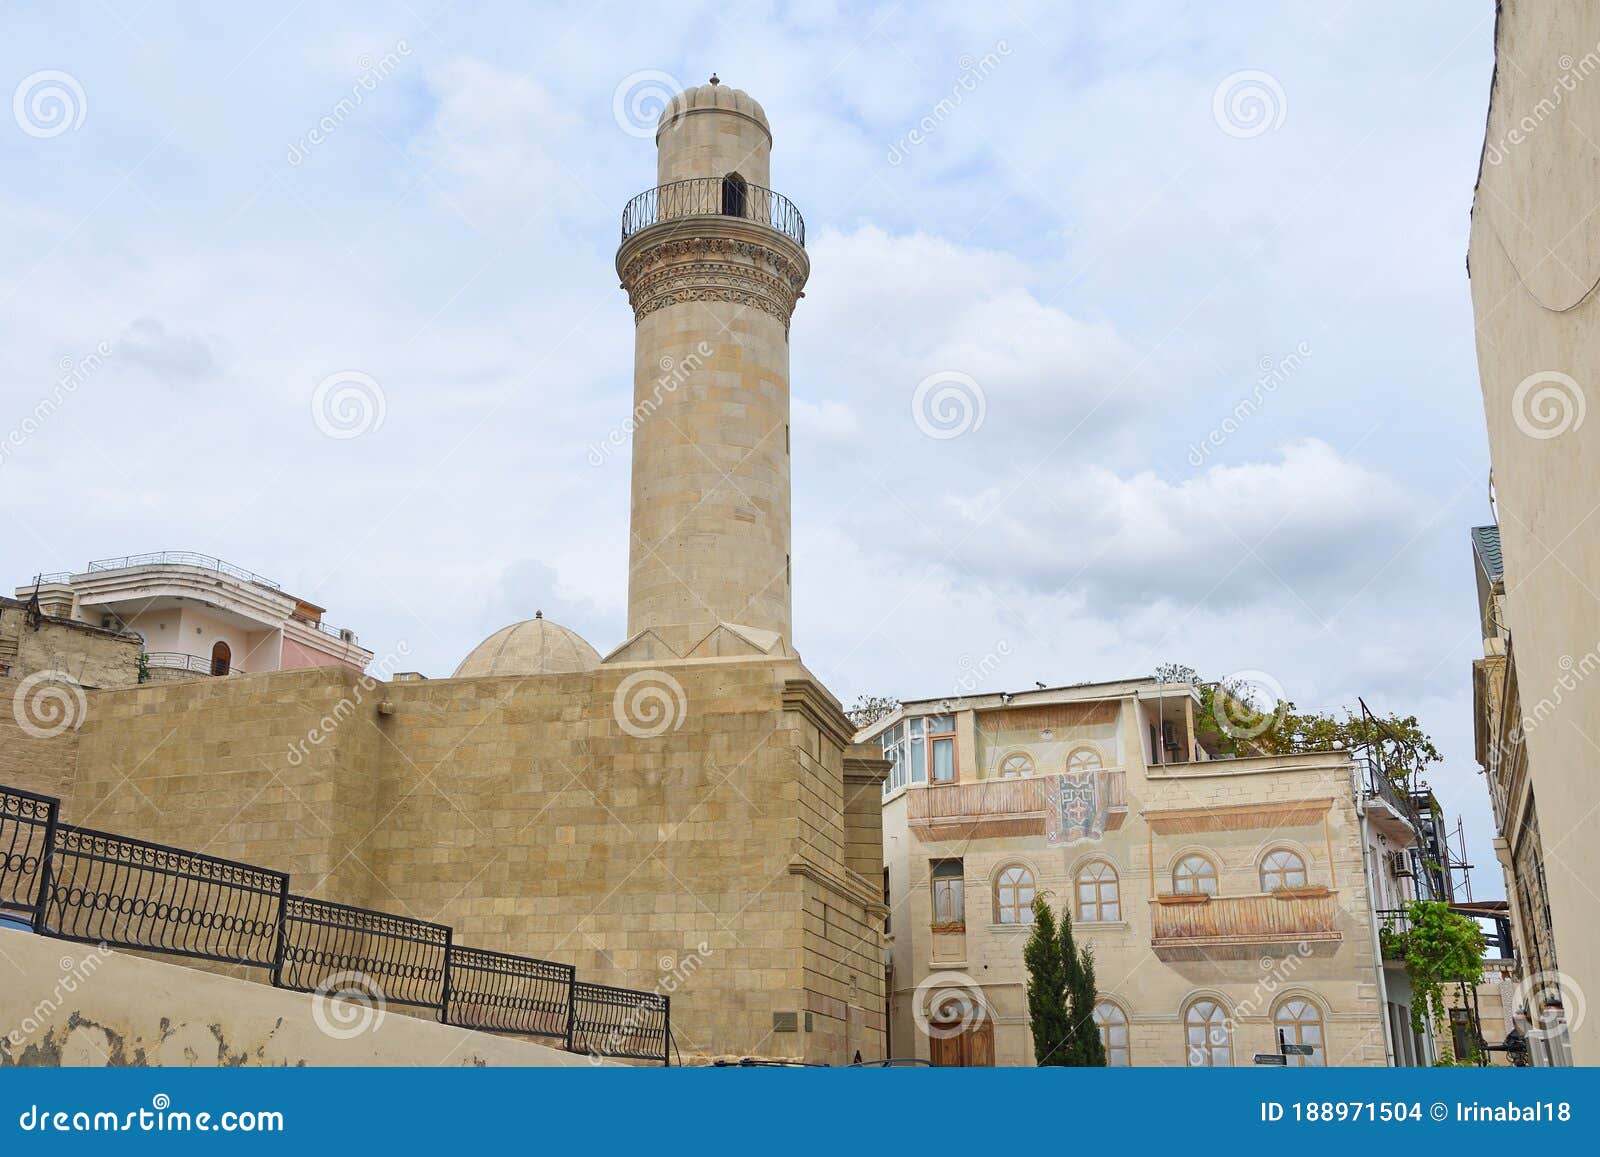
283, 934
444, 998
666, 1032
572, 1006
46, 862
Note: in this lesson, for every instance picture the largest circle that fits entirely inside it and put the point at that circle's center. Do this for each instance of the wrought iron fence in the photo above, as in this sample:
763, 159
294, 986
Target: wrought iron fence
183, 558
96, 887
619, 1022
27, 827
1375, 783
713, 197
498, 992
1393, 926
101, 888
181, 661
323, 943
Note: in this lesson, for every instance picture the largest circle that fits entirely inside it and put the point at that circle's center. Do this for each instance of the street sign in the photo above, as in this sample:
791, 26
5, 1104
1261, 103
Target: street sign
1271, 1059
1299, 1050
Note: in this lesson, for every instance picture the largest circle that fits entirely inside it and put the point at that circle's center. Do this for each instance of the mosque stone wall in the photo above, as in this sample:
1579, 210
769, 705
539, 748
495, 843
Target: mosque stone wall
700, 851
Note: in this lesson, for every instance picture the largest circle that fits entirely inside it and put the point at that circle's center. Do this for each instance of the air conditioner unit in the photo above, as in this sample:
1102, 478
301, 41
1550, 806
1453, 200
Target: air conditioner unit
347, 634
1399, 863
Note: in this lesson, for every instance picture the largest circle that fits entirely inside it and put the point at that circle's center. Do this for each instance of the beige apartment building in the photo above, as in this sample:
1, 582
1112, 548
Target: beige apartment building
1226, 899
1500, 732
1400, 830
1534, 261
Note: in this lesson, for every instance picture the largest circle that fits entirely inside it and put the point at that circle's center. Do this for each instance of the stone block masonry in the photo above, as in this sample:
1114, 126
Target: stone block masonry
709, 861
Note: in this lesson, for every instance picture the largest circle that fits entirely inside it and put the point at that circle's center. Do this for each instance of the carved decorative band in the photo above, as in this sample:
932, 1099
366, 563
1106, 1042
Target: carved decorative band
702, 283
713, 269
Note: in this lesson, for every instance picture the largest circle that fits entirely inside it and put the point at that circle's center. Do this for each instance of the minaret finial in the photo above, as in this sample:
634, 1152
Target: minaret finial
714, 79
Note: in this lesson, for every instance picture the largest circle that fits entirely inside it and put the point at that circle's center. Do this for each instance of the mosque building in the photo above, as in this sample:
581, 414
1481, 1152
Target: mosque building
683, 812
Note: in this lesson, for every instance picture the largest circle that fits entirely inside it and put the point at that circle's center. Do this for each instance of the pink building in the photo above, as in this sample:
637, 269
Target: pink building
199, 614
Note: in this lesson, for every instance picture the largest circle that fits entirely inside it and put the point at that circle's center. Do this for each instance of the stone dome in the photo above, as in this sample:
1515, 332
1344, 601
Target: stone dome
534, 646
713, 96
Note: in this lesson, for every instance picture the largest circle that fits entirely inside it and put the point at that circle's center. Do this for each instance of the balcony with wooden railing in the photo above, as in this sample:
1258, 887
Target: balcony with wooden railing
990, 808
1292, 916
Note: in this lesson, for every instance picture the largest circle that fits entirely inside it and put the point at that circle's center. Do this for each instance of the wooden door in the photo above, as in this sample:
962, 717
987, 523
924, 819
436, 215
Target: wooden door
979, 1039
971, 1047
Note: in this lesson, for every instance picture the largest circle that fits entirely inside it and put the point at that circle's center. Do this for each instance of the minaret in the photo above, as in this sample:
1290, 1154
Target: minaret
713, 261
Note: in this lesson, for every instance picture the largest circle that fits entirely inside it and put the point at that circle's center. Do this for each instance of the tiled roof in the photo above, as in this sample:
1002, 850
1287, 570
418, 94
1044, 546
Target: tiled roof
1486, 542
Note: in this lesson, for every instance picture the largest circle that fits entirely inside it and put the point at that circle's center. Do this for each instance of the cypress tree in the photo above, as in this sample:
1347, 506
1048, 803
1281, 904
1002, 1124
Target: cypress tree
1090, 1049
1083, 1047
1048, 1013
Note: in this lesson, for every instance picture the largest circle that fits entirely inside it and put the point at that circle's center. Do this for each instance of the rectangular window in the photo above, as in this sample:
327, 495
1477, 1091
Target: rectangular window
942, 748
894, 750
922, 748
949, 898
916, 758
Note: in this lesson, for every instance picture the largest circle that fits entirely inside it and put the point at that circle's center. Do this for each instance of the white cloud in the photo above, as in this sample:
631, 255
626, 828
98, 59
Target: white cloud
503, 151
882, 312
1304, 526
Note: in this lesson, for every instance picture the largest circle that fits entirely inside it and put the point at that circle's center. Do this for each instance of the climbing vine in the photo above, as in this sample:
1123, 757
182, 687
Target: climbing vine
1440, 948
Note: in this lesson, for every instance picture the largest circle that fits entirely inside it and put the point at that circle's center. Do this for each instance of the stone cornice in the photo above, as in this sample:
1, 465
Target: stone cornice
866, 769
712, 258
850, 885
808, 697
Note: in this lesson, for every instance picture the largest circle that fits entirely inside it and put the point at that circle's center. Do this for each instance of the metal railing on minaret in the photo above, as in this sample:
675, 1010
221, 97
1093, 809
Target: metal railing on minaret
713, 197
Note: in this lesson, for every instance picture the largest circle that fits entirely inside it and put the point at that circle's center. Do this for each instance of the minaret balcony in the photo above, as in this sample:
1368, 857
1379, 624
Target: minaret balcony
713, 197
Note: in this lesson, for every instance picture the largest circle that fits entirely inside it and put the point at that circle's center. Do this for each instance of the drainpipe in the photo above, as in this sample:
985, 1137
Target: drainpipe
1372, 919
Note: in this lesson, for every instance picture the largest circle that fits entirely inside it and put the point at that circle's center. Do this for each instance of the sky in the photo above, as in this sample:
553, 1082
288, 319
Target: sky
1135, 334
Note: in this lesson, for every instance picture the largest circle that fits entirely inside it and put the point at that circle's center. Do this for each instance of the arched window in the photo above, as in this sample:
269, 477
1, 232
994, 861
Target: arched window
1194, 875
221, 658
1084, 759
1299, 1022
1205, 1025
1113, 1025
1013, 896
949, 899
1282, 869
1018, 764
1099, 896
735, 195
